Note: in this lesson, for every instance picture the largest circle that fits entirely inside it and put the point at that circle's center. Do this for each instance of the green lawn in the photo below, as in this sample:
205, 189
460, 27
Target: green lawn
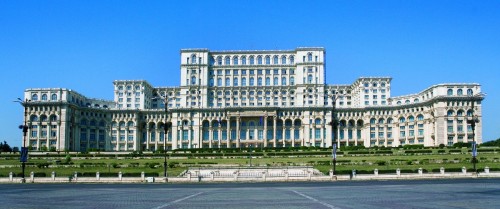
154, 165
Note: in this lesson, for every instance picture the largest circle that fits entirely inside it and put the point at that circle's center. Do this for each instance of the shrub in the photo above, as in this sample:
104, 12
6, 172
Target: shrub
380, 162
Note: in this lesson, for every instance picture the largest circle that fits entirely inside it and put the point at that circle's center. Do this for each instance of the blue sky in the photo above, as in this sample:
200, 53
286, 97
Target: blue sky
85, 45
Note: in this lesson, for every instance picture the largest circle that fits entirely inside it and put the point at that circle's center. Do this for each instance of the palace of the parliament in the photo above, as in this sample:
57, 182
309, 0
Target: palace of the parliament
261, 98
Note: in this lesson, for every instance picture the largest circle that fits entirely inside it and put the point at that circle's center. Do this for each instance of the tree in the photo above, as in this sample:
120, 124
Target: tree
4, 147
494, 143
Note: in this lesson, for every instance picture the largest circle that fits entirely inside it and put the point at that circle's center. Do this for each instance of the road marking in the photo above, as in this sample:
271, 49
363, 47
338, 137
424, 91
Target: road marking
179, 200
315, 200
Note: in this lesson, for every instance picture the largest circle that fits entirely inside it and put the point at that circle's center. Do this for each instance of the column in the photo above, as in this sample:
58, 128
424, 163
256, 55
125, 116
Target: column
292, 135
219, 139
265, 131
237, 132
228, 133
210, 134
174, 135
148, 136
322, 132
274, 131
190, 132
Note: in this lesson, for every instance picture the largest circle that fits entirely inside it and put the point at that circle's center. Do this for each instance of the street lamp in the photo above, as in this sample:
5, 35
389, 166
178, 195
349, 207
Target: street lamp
166, 129
472, 123
334, 124
24, 150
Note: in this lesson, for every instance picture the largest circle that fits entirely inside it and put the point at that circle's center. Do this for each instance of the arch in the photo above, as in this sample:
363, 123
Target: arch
372, 121
44, 97
420, 117
228, 81
288, 122
268, 60
309, 57
470, 113
193, 59
215, 123
235, 60
407, 101
283, 60
130, 124
359, 123
268, 81
402, 119
381, 121
83, 122
309, 79
374, 84
292, 80
193, 80
92, 123
297, 122
219, 60
292, 60
43, 118
243, 81
259, 81
283, 81
223, 123
275, 59
390, 120
205, 124
460, 92
243, 60
382, 84
450, 92
252, 81
53, 97
259, 60
351, 123
235, 81
212, 60
411, 118
34, 97
114, 124
252, 60
279, 122
185, 122
450, 113
398, 103
227, 60
416, 100
275, 81
53, 118
317, 121
460, 113
342, 123
122, 124
469, 92
151, 125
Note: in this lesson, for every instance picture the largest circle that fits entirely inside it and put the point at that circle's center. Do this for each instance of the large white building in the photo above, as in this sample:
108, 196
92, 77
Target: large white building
274, 98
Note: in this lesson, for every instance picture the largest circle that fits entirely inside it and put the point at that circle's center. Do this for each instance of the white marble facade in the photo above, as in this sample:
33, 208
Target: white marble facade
264, 98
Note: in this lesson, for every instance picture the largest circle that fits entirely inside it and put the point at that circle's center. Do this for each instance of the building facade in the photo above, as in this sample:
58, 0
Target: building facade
265, 98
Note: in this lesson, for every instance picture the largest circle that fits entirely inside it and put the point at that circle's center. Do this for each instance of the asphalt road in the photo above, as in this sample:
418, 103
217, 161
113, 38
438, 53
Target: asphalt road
466, 193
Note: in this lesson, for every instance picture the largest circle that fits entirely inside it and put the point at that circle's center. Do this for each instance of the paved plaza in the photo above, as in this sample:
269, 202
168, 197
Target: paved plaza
458, 193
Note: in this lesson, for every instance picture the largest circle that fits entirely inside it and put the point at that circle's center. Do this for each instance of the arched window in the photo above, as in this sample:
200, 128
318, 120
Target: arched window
411, 119
309, 57
243, 81
83, 122
259, 60
219, 60
53, 118
389, 121
317, 121
420, 117
469, 92
193, 59
283, 81
309, 78
450, 113
228, 60
259, 81
235, 60
416, 100
292, 60
450, 92
211, 82
212, 60
407, 101
398, 103
283, 60
193, 80
268, 81
382, 84
460, 113
460, 92
53, 97
34, 97
243, 60
268, 60
292, 81
372, 121
275, 59
275, 81
374, 84
252, 60
43, 118
44, 97
402, 119
381, 121
470, 113
34, 118
252, 81
235, 81
228, 82
219, 81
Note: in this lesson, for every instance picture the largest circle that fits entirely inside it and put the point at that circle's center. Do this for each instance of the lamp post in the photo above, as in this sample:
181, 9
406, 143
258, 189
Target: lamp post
334, 124
24, 128
166, 129
472, 123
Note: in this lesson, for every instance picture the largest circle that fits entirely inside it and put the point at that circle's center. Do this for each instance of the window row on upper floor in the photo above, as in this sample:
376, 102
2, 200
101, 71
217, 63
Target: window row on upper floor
374, 84
251, 81
219, 72
252, 60
44, 97
460, 92
410, 118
